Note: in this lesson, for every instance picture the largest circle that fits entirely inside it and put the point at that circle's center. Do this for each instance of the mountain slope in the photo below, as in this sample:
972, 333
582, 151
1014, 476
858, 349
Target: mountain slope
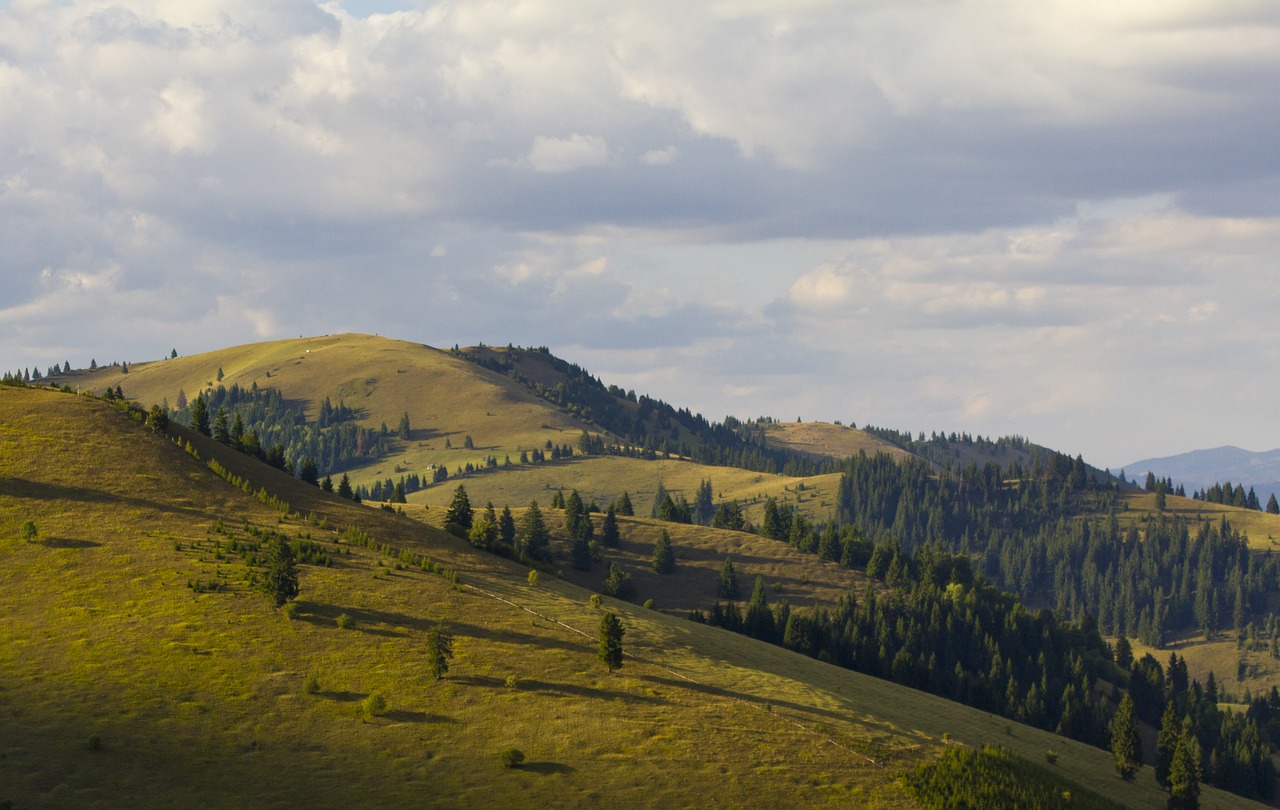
1200, 469
198, 697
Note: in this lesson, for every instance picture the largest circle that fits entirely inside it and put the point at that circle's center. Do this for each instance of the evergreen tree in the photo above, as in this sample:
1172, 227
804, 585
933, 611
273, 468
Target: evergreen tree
580, 550
703, 503
198, 416
327, 484
624, 505
1126, 745
617, 582
439, 651
1123, 653
1184, 773
758, 623
664, 556
1273, 508
459, 510
308, 473
344, 488
609, 649
609, 534
727, 581
533, 534
1166, 742
484, 531
220, 431
507, 528
403, 429
280, 582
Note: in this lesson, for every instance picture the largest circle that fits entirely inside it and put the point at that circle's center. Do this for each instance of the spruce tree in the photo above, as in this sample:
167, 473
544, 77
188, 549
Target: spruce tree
308, 473
609, 649
280, 582
1184, 773
507, 528
459, 510
609, 534
439, 651
617, 582
624, 505
344, 487
1166, 742
727, 581
198, 418
533, 534
220, 430
664, 556
1126, 745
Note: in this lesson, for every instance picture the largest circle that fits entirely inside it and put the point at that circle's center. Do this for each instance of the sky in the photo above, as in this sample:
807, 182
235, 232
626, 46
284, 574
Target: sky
1059, 220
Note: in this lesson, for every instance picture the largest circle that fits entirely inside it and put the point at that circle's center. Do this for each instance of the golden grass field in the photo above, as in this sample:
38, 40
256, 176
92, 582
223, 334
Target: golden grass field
198, 699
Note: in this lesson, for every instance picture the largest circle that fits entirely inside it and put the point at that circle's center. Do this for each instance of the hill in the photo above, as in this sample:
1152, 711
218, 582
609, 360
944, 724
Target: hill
124, 675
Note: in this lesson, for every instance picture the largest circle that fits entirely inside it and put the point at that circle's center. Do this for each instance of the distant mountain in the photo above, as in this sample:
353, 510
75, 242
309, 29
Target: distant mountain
1199, 469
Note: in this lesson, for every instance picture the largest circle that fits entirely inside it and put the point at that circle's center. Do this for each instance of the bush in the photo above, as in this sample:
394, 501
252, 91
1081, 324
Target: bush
29, 530
345, 622
595, 600
311, 685
513, 682
374, 705
511, 757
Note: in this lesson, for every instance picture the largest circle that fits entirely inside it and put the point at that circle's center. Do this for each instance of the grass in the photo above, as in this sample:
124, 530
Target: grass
203, 696
820, 439
1263, 529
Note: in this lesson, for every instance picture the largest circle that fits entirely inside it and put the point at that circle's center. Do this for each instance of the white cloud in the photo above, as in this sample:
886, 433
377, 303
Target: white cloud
550, 155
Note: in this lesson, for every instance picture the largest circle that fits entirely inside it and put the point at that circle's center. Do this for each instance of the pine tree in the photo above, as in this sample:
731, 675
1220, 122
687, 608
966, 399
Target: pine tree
459, 510
609, 534
617, 582
403, 429
759, 619
1126, 745
439, 651
609, 650
1184, 773
198, 418
1166, 742
1273, 507
344, 488
664, 556
308, 473
624, 505
280, 582
1123, 653
727, 581
220, 431
533, 534
507, 528
580, 550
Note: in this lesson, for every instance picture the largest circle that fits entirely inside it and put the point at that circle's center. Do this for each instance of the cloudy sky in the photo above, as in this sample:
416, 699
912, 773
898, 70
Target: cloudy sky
1056, 219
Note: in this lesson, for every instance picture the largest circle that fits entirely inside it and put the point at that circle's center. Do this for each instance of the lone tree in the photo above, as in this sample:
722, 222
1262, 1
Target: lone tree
1126, 745
439, 651
609, 650
280, 582
664, 557
609, 534
617, 583
727, 581
459, 511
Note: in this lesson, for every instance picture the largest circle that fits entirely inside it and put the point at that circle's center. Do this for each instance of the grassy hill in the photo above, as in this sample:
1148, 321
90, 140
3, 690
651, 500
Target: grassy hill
1263, 529
825, 440
119, 679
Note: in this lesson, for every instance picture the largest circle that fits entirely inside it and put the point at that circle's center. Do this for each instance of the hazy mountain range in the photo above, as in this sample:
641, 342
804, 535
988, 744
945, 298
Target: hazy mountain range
1199, 469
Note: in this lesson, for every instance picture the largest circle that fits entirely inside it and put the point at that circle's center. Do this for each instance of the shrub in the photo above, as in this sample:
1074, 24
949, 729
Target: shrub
311, 685
648, 604
595, 600
533, 576
1051, 757
29, 530
511, 757
345, 622
94, 743
513, 682
374, 705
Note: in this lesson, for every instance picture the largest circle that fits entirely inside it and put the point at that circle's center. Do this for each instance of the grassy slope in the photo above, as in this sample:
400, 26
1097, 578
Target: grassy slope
198, 697
445, 397
819, 439
1263, 529
604, 479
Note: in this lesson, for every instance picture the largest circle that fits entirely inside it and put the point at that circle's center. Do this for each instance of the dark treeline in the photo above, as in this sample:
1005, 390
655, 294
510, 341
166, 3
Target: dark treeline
1229, 495
262, 422
941, 629
1049, 534
647, 427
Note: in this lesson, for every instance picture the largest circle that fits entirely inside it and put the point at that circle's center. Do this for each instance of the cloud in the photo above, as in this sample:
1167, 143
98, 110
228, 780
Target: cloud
566, 154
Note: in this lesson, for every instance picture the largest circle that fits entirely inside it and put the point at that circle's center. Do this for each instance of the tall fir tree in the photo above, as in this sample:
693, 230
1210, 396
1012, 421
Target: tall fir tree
664, 556
198, 415
533, 534
1166, 742
1184, 773
439, 651
1126, 745
280, 581
609, 534
459, 510
609, 648
727, 581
